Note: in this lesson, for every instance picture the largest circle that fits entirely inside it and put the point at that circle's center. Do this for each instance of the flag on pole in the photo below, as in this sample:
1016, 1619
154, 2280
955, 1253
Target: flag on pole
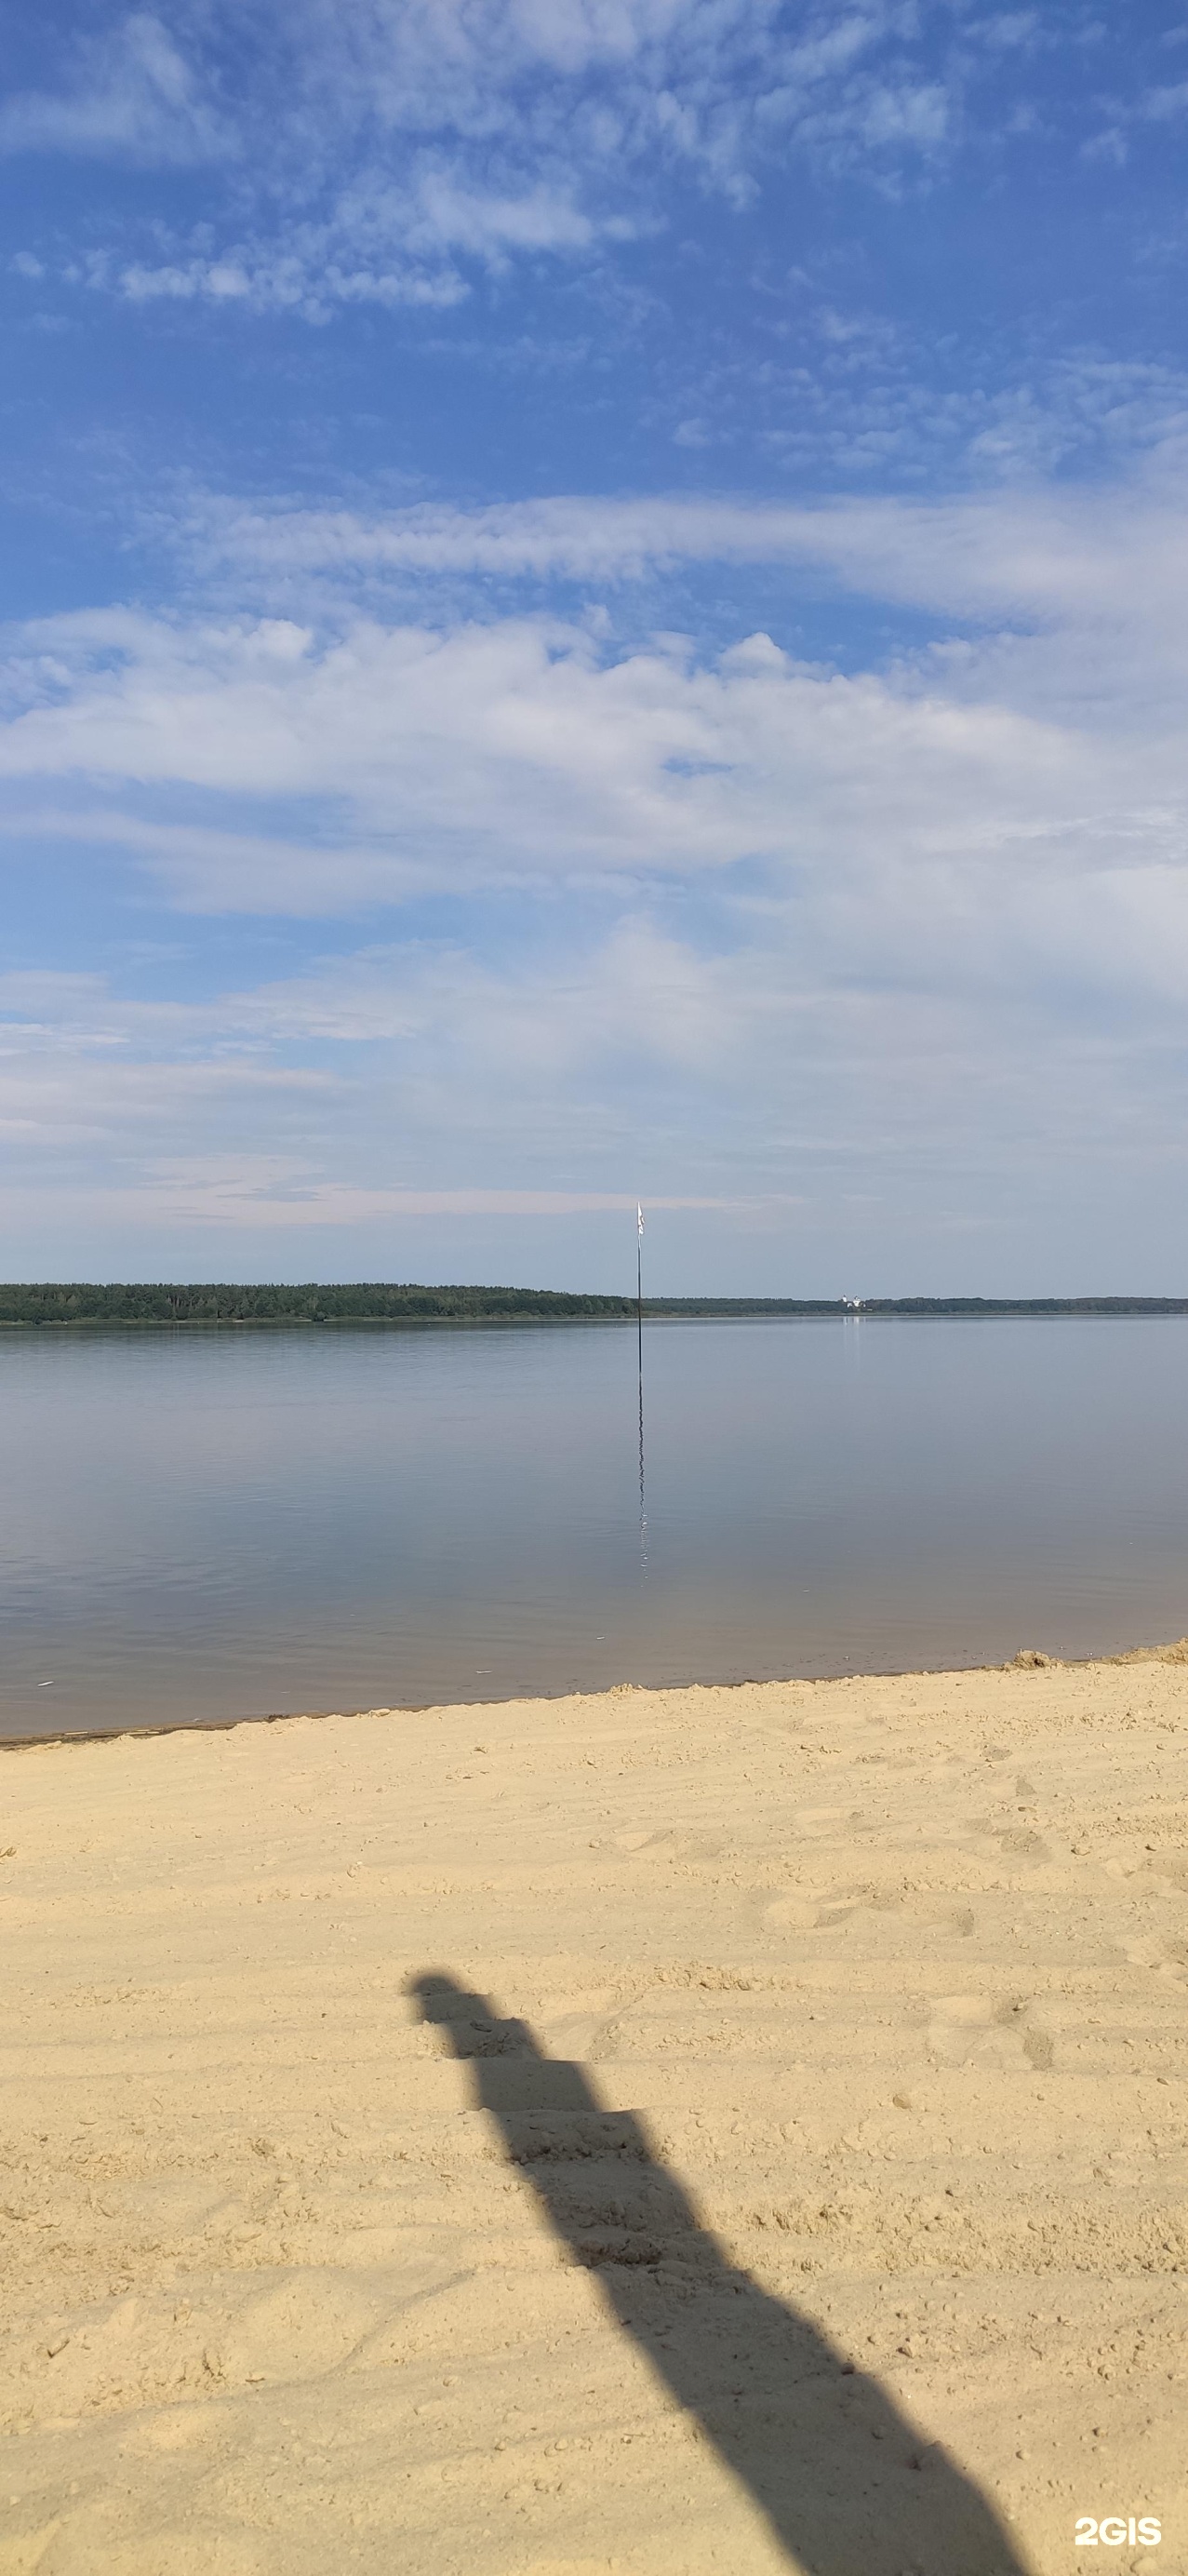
639, 1221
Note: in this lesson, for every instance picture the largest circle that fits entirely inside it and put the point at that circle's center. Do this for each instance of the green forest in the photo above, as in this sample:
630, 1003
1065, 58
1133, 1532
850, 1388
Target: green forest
364, 1301
382, 1302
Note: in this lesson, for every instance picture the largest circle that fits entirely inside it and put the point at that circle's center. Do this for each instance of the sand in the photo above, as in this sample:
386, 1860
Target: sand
667, 2131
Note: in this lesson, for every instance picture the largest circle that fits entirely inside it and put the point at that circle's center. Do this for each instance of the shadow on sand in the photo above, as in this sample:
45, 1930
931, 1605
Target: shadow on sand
843, 2478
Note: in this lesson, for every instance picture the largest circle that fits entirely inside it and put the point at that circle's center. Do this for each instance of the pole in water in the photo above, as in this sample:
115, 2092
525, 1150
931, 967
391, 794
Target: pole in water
639, 1236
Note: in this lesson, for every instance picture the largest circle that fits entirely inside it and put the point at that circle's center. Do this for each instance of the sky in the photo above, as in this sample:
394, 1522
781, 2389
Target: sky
596, 606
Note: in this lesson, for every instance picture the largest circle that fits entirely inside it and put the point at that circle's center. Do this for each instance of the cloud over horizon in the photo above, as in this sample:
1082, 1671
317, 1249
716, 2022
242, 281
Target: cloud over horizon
478, 767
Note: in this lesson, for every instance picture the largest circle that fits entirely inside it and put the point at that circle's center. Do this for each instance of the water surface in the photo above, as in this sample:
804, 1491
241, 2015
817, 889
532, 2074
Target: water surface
203, 1525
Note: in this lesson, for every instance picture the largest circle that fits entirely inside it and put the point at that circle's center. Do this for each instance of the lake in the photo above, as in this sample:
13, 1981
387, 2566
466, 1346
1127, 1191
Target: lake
216, 1524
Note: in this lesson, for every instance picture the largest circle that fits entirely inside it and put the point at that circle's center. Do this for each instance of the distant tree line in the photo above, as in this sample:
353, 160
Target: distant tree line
365, 1301
381, 1302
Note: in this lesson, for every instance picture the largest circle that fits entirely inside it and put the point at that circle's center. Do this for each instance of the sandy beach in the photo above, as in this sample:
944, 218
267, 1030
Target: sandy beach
728, 2129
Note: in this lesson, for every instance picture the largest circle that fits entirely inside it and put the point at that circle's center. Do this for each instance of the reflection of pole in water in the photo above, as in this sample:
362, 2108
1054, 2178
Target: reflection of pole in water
643, 1517
639, 1236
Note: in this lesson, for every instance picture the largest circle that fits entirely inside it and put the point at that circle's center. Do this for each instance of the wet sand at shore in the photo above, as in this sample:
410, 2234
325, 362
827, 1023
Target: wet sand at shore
667, 2131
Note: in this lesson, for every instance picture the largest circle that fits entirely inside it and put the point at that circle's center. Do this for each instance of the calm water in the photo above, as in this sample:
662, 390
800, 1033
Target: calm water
205, 1526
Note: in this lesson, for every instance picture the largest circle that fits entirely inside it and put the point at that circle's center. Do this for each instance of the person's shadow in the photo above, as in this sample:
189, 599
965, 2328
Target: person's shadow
848, 2485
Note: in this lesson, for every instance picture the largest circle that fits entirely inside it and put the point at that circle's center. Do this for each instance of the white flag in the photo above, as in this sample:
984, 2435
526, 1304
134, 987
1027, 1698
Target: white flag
639, 1221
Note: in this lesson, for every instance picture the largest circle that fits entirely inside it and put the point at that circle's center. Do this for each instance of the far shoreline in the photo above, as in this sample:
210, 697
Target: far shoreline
138, 1305
889, 1311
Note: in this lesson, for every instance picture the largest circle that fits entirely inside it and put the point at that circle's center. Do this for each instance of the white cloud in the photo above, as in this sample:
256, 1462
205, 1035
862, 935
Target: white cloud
931, 920
1016, 792
380, 154
1010, 29
517, 751
1163, 106
381, 245
135, 97
282, 1194
818, 1063
1086, 552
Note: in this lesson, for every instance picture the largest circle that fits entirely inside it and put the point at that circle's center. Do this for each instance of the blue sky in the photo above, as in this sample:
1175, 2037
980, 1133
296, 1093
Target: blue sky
596, 603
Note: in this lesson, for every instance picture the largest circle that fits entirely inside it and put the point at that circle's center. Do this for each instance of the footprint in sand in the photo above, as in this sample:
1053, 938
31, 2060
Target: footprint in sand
829, 1909
185, 2427
1019, 1842
821, 1909
793, 1913
1166, 1958
1170, 1865
980, 2030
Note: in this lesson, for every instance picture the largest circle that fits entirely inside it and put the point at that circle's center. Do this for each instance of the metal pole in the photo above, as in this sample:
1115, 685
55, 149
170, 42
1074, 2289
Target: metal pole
639, 1296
